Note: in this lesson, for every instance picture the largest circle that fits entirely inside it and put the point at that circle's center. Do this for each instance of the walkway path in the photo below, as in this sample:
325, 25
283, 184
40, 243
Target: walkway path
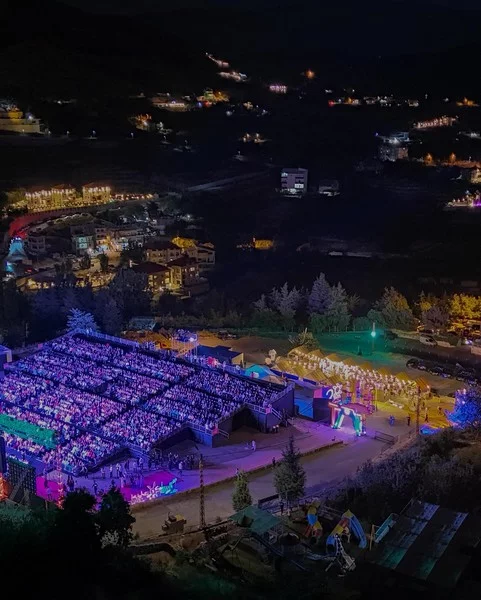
323, 469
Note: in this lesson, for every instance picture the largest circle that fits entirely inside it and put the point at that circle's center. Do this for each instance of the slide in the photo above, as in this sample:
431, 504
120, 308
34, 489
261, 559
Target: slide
349, 524
358, 531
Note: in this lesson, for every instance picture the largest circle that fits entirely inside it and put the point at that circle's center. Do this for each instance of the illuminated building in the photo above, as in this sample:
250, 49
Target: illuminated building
203, 254
64, 196
394, 146
443, 121
13, 119
222, 64
158, 275
167, 102
94, 194
210, 97
234, 75
277, 88
465, 102
184, 271
472, 175
162, 251
59, 196
294, 181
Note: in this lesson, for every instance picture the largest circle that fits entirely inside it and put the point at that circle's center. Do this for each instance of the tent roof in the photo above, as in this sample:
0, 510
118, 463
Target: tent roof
299, 350
422, 383
318, 354
402, 376
318, 375
333, 358
257, 520
350, 362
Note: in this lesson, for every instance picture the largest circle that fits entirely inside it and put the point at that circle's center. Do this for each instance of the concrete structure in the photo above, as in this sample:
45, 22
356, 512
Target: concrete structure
294, 181
12, 119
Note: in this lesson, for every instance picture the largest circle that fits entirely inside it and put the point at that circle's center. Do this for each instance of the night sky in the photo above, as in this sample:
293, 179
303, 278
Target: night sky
139, 6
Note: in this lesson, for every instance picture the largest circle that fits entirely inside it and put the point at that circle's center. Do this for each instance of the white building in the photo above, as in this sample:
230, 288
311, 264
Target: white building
294, 181
394, 146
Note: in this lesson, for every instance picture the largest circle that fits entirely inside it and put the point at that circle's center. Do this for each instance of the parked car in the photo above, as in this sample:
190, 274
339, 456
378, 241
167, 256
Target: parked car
438, 371
467, 376
413, 363
426, 330
427, 340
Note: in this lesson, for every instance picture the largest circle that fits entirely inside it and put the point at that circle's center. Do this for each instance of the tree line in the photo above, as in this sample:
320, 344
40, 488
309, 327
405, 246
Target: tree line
36, 316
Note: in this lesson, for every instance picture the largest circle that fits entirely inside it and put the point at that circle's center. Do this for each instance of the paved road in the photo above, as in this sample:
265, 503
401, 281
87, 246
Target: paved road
321, 469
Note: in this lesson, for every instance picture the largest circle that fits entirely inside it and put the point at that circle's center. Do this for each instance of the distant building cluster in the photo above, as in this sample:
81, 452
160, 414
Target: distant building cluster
66, 196
294, 181
443, 121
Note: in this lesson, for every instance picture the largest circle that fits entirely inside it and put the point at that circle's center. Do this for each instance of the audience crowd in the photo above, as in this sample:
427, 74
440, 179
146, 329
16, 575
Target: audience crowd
101, 398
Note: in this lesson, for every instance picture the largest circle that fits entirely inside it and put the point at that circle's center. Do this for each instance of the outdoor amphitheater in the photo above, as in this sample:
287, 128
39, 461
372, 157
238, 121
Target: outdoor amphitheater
83, 400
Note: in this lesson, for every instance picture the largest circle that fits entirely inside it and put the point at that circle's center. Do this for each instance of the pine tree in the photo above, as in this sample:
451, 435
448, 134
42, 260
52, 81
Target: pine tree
320, 296
290, 477
80, 321
110, 317
286, 302
241, 496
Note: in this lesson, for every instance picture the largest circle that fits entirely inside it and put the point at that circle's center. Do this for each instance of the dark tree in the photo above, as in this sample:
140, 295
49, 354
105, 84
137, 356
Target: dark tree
85, 262
104, 263
290, 477
114, 518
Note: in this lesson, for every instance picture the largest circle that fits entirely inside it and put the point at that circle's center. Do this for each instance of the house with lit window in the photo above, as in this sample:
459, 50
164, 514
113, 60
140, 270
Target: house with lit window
158, 275
184, 271
162, 251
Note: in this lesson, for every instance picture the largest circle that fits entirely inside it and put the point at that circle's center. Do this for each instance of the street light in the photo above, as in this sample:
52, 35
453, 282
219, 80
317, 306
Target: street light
373, 335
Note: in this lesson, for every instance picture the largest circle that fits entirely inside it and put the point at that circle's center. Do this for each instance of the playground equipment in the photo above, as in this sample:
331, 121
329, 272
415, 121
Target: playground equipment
314, 527
348, 524
379, 532
356, 411
336, 555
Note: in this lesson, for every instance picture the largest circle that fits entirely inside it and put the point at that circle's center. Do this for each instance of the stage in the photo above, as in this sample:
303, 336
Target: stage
145, 486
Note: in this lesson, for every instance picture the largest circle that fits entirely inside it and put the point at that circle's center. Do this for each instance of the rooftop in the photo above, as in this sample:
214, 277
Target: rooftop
158, 244
182, 261
430, 543
149, 268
